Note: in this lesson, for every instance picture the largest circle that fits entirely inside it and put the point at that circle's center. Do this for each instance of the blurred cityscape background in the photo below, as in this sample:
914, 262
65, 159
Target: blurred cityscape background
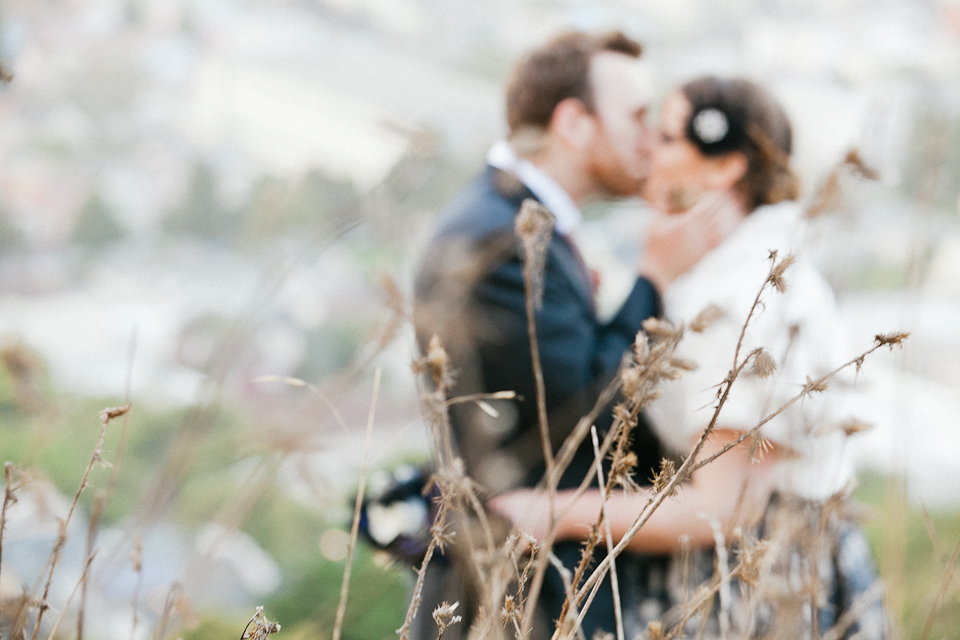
213, 208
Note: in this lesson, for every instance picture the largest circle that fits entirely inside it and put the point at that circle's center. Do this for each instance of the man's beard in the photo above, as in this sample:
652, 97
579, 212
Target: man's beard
614, 181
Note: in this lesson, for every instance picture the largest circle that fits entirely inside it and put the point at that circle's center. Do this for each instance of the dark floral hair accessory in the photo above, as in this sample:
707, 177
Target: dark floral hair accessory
711, 125
713, 130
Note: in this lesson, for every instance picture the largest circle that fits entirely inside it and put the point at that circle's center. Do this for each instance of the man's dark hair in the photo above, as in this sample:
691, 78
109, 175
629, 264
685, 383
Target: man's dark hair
557, 71
756, 126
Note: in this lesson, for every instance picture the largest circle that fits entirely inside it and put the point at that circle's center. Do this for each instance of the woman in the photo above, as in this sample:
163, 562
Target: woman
730, 137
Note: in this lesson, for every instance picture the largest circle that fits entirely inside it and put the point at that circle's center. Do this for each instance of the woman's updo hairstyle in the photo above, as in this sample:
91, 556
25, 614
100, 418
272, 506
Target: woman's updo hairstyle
737, 115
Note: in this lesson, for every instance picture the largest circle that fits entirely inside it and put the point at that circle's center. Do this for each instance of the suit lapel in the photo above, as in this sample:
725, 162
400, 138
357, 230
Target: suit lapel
573, 267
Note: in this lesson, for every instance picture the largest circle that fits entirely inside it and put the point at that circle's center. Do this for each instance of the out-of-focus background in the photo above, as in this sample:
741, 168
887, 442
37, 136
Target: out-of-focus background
213, 209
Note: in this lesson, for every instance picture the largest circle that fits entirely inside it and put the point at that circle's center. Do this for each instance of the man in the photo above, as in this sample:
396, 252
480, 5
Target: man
576, 110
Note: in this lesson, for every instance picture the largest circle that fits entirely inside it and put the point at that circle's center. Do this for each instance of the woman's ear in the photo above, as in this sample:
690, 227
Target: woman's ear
571, 123
727, 170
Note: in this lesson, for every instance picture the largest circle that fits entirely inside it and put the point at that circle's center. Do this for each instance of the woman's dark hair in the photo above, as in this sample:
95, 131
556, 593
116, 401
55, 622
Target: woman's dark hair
737, 115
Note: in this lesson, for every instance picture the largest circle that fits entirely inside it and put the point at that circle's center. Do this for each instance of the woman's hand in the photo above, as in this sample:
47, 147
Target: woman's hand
676, 242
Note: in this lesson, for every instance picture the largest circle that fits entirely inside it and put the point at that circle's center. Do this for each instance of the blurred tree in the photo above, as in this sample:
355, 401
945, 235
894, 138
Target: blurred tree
201, 213
11, 237
317, 202
96, 225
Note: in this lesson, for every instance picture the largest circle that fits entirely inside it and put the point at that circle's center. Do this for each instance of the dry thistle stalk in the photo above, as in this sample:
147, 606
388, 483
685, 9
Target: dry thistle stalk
652, 362
10, 486
106, 416
261, 627
648, 356
534, 226
136, 560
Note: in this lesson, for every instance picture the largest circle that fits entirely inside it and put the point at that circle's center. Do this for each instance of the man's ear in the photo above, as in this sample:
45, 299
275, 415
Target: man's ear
727, 170
571, 123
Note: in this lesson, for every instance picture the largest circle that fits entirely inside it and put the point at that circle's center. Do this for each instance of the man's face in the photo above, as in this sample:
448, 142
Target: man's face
619, 156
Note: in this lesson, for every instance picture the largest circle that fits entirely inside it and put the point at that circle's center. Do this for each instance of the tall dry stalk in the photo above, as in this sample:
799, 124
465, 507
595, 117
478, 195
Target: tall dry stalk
89, 553
690, 464
608, 535
355, 526
9, 487
80, 583
106, 416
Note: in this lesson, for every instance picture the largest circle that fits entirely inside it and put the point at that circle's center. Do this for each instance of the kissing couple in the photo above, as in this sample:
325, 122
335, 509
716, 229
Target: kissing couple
717, 173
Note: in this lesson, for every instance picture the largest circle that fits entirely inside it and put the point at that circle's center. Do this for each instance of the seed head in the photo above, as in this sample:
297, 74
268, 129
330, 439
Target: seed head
891, 339
641, 345
763, 365
655, 631
510, 612
682, 364
661, 479
534, 225
110, 413
630, 378
660, 328
261, 629
853, 426
752, 552
437, 363
443, 616
706, 318
776, 272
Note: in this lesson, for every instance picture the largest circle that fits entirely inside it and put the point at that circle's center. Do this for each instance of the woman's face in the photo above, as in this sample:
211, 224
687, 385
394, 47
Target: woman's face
679, 173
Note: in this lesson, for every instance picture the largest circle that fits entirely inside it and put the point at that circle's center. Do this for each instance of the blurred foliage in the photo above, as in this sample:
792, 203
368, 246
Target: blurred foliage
97, 224
11, 237
932, 177
376, 604
329, 348
316, 202
201, 212
54, 435
905, 549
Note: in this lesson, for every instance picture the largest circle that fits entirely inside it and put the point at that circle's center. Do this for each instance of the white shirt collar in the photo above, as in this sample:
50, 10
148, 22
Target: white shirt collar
552, 195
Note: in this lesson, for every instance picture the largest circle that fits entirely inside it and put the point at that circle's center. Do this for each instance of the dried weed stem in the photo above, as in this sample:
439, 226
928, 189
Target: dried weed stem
8, 499
355, 526
774, 280
614, 581
81, 582
105, 417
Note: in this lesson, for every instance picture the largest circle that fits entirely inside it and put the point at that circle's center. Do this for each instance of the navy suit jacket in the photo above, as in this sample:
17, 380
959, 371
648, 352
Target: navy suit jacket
470, 291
